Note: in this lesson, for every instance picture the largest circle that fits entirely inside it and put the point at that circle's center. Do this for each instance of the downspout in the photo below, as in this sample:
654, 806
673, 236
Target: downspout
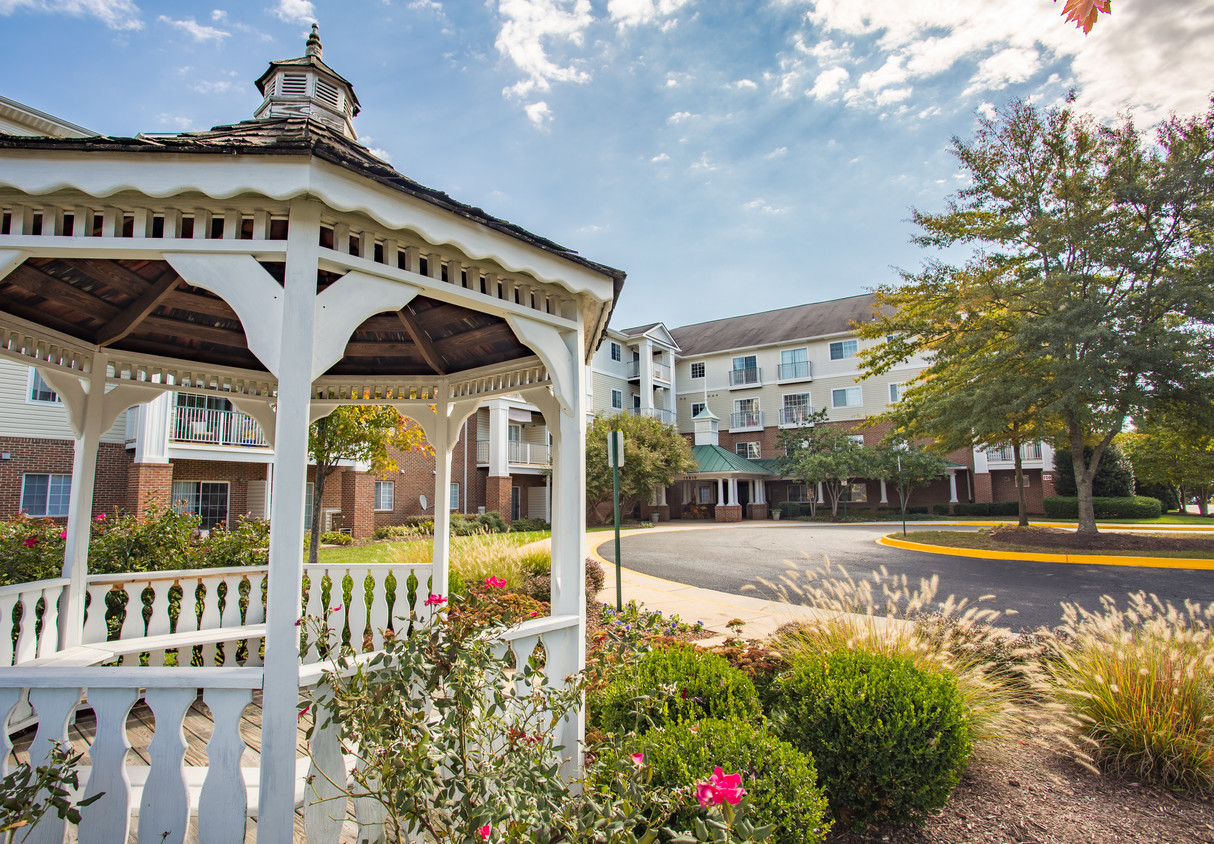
465, 466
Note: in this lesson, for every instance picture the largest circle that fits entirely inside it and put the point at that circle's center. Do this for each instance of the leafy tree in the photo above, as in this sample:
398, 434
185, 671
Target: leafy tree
360, 433
1177, 450
908, 464
1114, 476
1089, 287
827, 454
654, 455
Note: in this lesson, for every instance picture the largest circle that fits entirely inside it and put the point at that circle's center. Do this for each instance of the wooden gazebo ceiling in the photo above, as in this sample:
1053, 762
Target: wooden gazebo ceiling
145, 307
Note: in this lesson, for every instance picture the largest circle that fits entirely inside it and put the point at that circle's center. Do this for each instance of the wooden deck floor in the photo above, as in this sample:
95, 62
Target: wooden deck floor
197, 727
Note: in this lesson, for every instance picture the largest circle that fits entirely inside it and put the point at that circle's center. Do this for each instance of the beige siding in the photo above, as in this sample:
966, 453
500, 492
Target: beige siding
20, 417
604, 383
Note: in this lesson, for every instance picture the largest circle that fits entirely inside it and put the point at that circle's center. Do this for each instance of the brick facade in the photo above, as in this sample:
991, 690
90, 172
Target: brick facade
497, 496
47, 456
149, 485
357, 503
728, 513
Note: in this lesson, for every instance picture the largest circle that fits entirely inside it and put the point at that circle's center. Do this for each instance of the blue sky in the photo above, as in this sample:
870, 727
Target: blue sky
731, 156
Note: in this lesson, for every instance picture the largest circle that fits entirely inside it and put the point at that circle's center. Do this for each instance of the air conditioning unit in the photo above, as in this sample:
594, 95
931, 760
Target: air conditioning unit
329, 518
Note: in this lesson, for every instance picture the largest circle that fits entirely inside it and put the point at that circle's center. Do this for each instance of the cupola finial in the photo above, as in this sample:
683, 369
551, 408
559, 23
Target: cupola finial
314, 47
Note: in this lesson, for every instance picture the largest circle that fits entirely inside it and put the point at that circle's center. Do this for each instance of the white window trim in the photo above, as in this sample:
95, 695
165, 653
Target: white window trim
453, 496
856, 438
29, 393
700, 364
617, 404
843, 344
758, 449
616, 352
391, 487
845, 391
45, 504
895, 385
701, 405
228, 514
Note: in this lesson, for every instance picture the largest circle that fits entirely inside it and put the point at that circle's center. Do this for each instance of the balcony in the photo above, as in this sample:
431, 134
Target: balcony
204, 426
739, 378
658, 371
1005, 454
659, 413
747, 420
787, 373
517, 454
791, 417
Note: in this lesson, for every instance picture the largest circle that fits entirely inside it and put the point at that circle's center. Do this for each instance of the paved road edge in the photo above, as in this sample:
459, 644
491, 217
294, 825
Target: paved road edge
1080, 559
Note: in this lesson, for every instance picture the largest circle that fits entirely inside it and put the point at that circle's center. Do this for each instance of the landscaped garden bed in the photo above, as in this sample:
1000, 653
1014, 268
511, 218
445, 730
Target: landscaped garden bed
1060, 541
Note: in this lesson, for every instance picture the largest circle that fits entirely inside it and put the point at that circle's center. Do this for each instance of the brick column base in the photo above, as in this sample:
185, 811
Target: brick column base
149, 485
358, 503
758, 511
729, 512
497, 495
661, 511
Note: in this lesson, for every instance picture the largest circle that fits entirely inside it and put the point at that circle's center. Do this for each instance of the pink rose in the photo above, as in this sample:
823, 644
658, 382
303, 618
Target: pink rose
638, 759
720, 788
63, 534
435, 601
705, 794
100, 517
484, 832
494, 582
30, 541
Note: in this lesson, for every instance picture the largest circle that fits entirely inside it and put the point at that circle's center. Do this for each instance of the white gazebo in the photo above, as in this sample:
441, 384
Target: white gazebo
277, 263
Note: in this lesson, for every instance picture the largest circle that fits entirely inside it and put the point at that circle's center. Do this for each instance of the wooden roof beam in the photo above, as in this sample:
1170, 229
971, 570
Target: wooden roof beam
139, 310
429, 354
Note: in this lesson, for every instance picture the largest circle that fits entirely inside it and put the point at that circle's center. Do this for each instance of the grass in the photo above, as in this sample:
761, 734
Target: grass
421, 549
981, 540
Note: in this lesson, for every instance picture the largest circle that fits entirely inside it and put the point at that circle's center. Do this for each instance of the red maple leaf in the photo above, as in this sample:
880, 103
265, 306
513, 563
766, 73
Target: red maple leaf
1085, 12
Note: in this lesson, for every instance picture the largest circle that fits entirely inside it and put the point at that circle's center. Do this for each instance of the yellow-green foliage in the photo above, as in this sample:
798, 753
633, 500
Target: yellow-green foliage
474, 558
1140, 684
874, 615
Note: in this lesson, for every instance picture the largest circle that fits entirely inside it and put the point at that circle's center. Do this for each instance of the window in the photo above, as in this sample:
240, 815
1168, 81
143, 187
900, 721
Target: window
46, 495
207, 499
749, 450
617, 352
697, 407
453, 497
747, 362
697, 369
797, 492
843, 349
895, 393
385, 494
40, 390
858, 439
794, 363
746, 414
845, 397
617, 399
796, 410
636, 402
745, 371
704, 494
858, 493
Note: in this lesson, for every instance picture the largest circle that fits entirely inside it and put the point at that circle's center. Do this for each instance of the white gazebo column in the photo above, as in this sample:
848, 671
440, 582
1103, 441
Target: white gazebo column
276, 809
884, 493
442, 432
952, 486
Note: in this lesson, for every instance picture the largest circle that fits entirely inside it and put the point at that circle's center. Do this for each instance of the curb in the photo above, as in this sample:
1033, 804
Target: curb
1075, 559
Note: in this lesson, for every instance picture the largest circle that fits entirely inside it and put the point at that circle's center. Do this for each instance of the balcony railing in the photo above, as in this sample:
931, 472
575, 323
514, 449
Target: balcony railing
745, 377
746, 420
1028, 451
215, 427
659, 413
517, 453
790, 417
801, 370
659, 371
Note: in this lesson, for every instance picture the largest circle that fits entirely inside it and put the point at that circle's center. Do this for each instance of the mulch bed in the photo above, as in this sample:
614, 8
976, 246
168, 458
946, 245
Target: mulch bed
1058, 538
1039, 796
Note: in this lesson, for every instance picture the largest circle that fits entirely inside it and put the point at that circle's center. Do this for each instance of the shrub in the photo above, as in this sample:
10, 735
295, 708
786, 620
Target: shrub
1005, 508
1136, 507
1114, 476
1140, 685
492, 522
335, 537
780, 780
595, 578
248, 544
528, 525
890, 741
462, 525
405, 531
917, 511
1168, 500
941, 510
670, 685
538, 584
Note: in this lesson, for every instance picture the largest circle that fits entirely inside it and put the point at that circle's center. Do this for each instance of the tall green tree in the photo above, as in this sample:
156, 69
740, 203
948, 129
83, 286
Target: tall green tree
827, 454
360, 433
654, 455
1176, 449
1089, 292
908, 465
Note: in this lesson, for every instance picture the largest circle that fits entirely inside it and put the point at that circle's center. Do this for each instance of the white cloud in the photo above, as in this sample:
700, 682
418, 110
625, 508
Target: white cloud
538, 113
764, 206
222, 87
295, 11
660, 157
778, 152
116, 14
181, 122
381, 154
591, 229
194, 29
628, 13
703, 165
426, 6
1007, 67
828, 83
987, 110
679, 117
219, 15
527, 27
743, 85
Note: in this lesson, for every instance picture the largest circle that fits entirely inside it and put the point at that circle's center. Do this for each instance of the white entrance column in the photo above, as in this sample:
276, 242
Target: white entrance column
884, 493
276, 808
952, 486
499, 424
721, 491
821, 495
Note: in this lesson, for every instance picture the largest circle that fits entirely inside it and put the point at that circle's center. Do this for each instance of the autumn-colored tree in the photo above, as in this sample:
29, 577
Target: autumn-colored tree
360, 433
1085, 12
654, 455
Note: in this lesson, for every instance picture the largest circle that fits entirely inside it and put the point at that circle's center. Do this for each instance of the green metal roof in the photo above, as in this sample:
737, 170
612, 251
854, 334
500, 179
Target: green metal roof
712, 459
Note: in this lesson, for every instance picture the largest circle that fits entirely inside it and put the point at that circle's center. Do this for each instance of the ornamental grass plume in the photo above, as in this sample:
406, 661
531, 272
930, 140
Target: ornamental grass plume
883, 615
1140, 684
478, 557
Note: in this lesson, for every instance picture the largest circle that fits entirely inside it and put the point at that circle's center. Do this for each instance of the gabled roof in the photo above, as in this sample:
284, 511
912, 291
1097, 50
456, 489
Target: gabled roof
712, 459
801, 322
655, 331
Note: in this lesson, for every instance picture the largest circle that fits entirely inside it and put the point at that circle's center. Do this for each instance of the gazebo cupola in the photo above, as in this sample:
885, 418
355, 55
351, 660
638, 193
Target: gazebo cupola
307, 87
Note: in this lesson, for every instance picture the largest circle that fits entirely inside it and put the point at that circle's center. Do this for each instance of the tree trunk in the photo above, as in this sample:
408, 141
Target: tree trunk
1083, 482
1021, 496
1203, 500
835, 491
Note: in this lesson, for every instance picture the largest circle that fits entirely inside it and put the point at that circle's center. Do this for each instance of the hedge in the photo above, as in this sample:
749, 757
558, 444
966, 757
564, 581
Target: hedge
1137, 507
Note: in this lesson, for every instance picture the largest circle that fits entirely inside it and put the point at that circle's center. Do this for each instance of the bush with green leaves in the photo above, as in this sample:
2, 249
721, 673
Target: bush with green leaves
1135, 507
780, 780
336, 537
890, 741
671, 685
528, 525
492, 522
29, 793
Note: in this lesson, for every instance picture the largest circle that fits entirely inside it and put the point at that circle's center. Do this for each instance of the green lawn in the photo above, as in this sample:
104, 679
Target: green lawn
388, 552
981, 540
1168, 519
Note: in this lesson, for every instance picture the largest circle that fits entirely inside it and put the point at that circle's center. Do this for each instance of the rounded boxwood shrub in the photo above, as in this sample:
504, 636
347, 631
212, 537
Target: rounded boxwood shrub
1136, 507
670, 685
779, 780
889, 740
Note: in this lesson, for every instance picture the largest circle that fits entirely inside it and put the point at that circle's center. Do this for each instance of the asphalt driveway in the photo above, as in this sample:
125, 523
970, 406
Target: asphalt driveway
728, 559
